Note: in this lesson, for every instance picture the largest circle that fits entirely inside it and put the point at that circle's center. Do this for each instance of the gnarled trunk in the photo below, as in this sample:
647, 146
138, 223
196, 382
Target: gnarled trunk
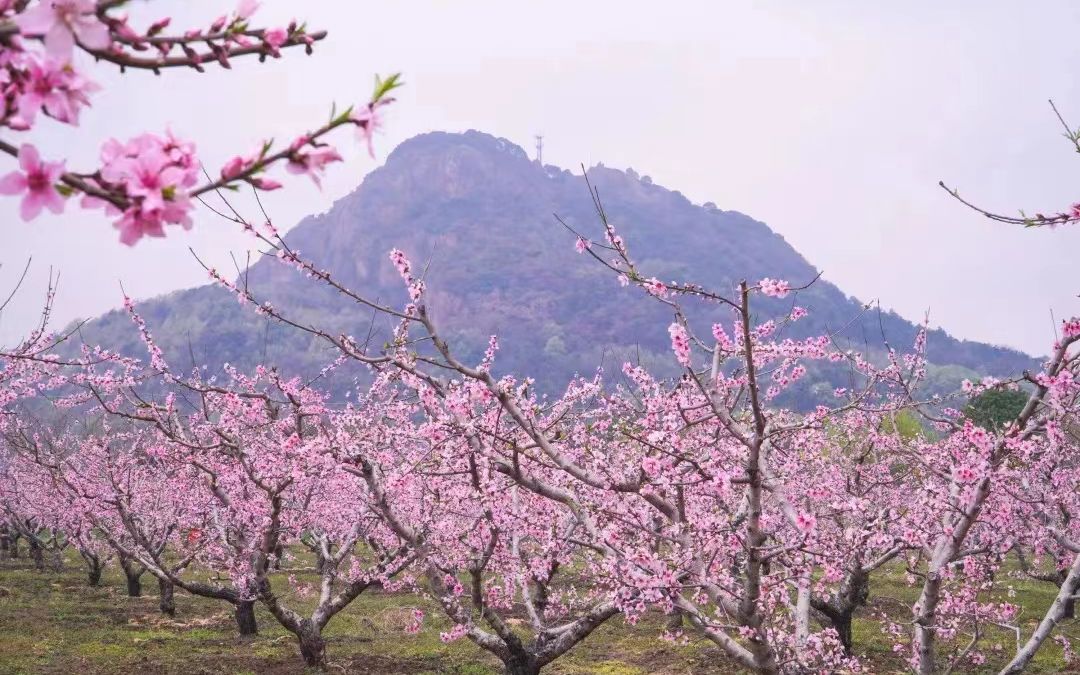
842, 626
839, 611
312, 645
57, 563
521, 663
134, 584
93, 571
674, 623
133, 574
165, 597
37, 554
244, 613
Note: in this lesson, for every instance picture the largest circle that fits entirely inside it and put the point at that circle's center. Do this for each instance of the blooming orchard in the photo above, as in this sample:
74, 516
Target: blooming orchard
762, 529
759, 529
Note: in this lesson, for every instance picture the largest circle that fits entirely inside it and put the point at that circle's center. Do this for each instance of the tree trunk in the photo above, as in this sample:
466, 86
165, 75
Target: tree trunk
312, 646
1070, 604
674, 622
245, 618
134, 584
93, 572
842, 624
37, 554
133, 573
521, 664
165, 597
839, 611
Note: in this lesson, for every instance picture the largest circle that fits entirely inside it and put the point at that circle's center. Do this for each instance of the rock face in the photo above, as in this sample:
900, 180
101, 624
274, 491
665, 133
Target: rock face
479, 212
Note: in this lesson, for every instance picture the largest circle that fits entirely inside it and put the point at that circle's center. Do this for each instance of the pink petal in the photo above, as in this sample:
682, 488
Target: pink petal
91, 202
12, 184
246, 8
129, 234
53, 201
29, 159
31, 206
59, 42
54, 170
37, 21
92, 33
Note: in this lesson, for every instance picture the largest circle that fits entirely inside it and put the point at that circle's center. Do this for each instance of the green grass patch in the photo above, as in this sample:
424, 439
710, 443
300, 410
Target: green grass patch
54, 623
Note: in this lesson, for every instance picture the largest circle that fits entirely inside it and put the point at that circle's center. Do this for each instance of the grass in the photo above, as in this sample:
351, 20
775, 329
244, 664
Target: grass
53, 623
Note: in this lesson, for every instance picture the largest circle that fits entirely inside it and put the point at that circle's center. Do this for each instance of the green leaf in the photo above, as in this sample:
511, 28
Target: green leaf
343, 117
384, 87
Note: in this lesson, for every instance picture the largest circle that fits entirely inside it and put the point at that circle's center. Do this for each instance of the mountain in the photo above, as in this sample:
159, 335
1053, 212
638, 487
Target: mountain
479, 212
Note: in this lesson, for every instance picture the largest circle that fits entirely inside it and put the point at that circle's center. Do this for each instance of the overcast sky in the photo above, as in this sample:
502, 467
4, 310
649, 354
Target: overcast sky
830, 121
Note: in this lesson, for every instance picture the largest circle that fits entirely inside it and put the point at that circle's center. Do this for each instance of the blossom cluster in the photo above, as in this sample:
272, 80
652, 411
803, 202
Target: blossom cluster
151, 180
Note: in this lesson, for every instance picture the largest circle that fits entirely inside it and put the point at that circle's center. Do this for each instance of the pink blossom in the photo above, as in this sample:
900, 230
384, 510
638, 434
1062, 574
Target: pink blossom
1071, 328
651, 466
680, 343
368, 120
805, 521
581, 245
38, 180
774, 288
415, 624
656, 287
275, 37
404, 268
62, 23
55, 87
159, 25
236, 166
721, 337
246, 8
455, 633
312, 163
266, 184
154, 173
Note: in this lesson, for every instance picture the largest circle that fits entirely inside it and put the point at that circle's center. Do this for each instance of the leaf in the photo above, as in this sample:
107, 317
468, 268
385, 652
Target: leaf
343, 117
384, 87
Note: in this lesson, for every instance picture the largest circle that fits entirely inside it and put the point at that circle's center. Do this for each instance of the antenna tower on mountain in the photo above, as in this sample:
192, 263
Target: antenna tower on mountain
539, 149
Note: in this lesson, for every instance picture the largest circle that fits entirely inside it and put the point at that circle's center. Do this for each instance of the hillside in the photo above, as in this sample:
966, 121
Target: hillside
481, 212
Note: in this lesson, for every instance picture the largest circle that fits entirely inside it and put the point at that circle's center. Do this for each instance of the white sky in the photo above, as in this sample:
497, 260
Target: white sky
830, 121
